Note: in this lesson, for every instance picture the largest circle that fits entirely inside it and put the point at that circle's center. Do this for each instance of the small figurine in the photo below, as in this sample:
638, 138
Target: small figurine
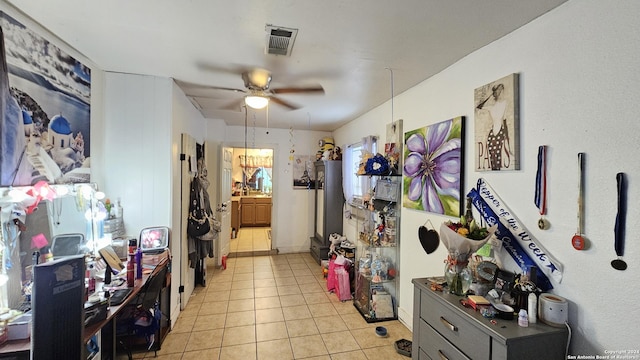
337, 153
326, 148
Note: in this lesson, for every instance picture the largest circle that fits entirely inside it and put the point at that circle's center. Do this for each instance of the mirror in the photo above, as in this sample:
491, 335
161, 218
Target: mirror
154, 239
319, 223
44, 219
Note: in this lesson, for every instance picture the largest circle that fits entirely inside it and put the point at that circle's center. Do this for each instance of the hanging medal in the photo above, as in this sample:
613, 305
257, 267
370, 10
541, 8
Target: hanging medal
541, 187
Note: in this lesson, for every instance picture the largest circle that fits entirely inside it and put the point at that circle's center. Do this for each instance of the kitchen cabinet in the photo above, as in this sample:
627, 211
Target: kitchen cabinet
443, 328
378, 226
328, 207
255, 211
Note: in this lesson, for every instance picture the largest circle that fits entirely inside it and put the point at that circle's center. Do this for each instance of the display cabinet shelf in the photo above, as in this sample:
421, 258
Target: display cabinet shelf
378, 233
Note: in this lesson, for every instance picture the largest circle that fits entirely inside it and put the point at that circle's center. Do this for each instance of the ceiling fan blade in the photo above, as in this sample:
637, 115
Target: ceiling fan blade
286, 104
298, 90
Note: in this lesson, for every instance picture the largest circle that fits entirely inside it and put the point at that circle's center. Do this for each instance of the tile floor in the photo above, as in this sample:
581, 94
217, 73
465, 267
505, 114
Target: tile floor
274, 307
251, 239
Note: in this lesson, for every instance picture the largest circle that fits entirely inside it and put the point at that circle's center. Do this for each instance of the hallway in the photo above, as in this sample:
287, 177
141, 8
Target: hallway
274, 307
252, 240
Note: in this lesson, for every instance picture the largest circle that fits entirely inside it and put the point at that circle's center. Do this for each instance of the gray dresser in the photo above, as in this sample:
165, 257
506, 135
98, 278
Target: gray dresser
444, 329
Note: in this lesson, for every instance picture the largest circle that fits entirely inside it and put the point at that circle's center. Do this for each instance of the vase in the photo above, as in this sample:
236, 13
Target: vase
458, 275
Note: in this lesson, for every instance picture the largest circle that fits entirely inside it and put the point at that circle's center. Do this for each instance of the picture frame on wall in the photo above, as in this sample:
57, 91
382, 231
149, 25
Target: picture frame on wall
497, 125
303, 175
46, 128
393, 146
433, 171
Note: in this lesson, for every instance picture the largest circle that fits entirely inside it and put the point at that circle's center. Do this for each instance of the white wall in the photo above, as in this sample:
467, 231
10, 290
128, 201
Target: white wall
137, 158
579, 93
291, 217
144, 119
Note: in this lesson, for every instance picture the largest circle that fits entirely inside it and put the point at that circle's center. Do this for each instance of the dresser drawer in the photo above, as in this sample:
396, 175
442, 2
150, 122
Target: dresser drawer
454, 328
423, 355
436, 347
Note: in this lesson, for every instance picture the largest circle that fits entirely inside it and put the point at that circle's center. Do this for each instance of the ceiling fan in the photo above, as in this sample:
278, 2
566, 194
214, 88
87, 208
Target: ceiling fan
258, 92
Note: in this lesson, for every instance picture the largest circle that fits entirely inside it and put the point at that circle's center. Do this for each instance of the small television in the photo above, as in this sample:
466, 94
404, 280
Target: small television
154, 239
65, 245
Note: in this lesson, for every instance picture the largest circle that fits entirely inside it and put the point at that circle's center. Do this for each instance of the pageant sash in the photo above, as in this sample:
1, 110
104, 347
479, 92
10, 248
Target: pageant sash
547, 263
509, 242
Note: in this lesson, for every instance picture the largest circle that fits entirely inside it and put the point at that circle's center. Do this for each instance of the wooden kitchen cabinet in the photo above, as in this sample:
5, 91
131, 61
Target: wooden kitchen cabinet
255, 211
263, 212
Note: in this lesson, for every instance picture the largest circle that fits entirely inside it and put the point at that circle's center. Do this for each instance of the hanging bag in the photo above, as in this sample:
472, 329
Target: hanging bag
214, 229
198, 222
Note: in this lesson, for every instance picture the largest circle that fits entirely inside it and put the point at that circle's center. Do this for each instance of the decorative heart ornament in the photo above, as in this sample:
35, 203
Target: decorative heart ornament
429, 239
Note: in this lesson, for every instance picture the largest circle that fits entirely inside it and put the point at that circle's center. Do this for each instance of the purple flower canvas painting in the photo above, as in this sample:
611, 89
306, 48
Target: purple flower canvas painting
433, 167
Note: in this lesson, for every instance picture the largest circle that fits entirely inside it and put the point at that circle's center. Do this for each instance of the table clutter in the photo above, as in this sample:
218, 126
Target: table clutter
480, 326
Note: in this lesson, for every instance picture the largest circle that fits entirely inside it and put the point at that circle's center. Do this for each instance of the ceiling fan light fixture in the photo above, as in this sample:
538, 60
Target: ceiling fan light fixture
256, 102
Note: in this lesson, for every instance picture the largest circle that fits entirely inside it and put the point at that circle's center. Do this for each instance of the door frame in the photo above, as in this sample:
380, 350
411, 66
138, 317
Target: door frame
276, 174
223, 202
187, 172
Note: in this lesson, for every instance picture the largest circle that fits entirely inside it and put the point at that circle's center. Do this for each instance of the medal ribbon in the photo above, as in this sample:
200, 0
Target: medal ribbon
541, 180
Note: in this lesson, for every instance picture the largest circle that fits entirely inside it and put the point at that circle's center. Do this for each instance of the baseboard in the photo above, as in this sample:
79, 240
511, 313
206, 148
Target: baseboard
253, 253
405, 318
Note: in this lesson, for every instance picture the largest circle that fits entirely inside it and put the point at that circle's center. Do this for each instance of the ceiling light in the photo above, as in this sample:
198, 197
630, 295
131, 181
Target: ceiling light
256, 102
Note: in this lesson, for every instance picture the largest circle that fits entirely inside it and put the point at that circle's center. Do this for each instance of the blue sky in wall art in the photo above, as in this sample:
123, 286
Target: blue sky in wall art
45, 110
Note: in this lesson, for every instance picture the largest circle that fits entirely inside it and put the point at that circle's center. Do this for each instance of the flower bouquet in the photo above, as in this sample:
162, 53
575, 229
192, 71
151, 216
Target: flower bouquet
462, 239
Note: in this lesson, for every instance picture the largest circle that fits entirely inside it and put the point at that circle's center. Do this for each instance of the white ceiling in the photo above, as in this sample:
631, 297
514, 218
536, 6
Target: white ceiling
345, 46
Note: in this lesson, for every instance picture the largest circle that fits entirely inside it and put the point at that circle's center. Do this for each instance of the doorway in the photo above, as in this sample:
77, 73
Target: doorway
252, 202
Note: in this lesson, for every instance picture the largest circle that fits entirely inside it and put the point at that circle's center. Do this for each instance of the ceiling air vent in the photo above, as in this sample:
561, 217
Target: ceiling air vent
280, 40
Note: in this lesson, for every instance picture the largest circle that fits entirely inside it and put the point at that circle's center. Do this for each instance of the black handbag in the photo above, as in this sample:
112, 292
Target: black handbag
197, 223
197, 227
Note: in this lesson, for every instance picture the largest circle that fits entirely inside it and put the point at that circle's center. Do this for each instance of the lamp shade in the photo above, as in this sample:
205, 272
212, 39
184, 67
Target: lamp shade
256, 102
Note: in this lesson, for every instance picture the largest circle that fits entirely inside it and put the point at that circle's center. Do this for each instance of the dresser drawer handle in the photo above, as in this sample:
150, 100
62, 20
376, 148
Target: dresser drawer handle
448, 324
442, 356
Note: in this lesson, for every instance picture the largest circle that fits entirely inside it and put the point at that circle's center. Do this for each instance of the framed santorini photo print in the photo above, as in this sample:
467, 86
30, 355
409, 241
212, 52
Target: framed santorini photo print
45, 132
497, 134
433, 167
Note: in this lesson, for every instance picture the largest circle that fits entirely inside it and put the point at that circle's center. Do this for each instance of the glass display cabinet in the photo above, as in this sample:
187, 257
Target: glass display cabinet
377, 253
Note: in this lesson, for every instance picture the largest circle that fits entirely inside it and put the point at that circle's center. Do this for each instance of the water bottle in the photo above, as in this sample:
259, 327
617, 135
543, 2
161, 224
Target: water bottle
131, 269
533, 308
138, 263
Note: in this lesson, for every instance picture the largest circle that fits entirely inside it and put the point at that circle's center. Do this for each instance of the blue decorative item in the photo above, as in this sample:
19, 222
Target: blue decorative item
381, 331
377, 165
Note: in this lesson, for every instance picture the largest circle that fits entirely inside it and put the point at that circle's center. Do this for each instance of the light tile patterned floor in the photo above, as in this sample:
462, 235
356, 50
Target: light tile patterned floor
251, 239
274, 308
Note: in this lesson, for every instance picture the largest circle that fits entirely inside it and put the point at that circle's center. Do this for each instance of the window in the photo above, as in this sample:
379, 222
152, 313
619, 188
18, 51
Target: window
355, 186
